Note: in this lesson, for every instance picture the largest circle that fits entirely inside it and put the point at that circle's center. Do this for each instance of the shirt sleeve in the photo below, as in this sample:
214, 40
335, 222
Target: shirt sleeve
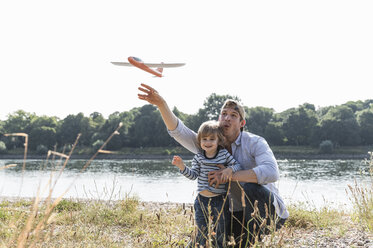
267, 168
185, 137
232, 163
194, 172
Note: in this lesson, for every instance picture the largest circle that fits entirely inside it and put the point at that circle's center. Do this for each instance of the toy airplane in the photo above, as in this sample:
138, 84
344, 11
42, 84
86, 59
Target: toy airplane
133, 61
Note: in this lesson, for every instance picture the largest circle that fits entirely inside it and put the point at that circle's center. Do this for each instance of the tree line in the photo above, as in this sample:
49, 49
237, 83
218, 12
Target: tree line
349, 124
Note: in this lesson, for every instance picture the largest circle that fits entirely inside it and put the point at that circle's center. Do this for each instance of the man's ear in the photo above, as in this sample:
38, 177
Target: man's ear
243, 123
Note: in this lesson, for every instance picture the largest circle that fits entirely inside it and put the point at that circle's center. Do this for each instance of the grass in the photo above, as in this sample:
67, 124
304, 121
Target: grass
362, 199
103, 224
131, 223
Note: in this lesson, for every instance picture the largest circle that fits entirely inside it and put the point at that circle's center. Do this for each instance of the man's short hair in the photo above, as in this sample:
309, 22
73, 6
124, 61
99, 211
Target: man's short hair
233, 104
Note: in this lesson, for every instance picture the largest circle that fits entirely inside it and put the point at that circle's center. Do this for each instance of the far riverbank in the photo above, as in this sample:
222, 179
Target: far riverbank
281, 152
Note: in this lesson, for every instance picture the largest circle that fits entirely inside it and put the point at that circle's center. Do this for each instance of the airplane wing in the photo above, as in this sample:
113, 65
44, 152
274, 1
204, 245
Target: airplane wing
121, 63
163, 65
159, 65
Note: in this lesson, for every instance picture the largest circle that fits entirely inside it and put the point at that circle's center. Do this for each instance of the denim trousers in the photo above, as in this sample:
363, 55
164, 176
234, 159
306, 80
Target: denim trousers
244, 227
210, 217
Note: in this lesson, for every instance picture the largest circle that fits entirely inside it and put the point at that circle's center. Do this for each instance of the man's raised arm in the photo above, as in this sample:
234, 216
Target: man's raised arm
152, 96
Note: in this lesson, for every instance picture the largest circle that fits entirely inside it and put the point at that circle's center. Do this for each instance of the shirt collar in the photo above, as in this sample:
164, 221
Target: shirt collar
237, 142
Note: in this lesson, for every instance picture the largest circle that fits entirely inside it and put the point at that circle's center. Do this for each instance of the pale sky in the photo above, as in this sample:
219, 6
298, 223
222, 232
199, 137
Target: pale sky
55, 55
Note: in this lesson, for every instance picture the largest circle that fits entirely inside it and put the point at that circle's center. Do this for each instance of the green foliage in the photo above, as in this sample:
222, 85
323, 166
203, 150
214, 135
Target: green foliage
2, 147
350, 124
326, 147
301, 217
365, 120
212, 105
300, 125
68, 206
41, 149
340, 126
97, 144
258, 119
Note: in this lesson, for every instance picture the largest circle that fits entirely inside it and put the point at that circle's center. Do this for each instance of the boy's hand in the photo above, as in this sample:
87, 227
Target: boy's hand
178, 162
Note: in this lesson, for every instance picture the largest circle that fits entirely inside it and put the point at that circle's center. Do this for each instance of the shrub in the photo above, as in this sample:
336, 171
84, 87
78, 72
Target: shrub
2, 147
97, 144
41, 149
326, 146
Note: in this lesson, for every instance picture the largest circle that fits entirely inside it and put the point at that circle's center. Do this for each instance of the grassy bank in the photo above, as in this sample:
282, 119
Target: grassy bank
131, 223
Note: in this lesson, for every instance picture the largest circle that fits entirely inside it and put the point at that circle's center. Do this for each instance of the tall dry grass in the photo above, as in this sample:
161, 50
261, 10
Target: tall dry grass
27, 228
362, 198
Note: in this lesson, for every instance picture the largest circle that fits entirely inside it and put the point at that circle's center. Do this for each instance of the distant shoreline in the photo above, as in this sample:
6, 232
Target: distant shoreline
189, 156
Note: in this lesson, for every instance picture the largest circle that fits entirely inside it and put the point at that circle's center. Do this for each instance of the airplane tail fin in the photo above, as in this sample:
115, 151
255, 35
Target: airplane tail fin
160, 69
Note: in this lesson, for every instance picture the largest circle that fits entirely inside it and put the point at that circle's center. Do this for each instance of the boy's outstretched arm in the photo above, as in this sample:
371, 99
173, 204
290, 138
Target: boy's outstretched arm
178, 162
153, 97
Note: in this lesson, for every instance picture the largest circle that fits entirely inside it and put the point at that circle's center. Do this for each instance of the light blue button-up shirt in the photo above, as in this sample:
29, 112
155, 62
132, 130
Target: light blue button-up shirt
252, 152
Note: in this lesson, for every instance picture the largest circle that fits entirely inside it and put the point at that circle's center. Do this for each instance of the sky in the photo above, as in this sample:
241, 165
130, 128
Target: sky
55, 55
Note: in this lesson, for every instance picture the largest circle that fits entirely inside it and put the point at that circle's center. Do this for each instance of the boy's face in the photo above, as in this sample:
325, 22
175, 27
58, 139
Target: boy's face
230, 121
210, 143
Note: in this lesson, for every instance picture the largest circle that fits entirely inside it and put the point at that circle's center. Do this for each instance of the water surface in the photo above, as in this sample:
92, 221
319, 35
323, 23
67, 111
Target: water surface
317, 183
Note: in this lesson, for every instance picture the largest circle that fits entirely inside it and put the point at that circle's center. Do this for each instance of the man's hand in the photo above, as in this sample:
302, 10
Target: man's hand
215, 177
226, 174
151, 95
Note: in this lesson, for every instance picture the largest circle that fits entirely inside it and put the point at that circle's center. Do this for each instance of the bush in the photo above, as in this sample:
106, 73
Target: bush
2, 147
97, 144
326, 146
41, 149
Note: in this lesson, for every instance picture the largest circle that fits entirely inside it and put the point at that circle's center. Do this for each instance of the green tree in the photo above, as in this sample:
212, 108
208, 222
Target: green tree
17, 122
258, 118
123, 139
340, 126
2, 147
210, 110
300, 125
365, 120
354, 106
71, 126
213, 104
42, 131
274, 133
149, 129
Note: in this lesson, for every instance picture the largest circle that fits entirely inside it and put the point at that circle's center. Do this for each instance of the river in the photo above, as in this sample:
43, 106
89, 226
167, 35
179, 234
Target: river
316, 183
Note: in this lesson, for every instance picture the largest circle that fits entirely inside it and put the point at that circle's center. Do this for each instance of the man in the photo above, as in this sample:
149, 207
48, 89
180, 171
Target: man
254, 201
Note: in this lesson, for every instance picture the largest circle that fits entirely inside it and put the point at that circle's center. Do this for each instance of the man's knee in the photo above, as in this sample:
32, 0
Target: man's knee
251, 189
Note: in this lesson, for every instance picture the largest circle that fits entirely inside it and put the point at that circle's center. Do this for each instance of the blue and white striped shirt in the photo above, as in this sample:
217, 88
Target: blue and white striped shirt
201, 166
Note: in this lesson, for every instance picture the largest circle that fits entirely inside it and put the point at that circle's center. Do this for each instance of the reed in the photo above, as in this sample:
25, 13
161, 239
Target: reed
362, 198
31, 229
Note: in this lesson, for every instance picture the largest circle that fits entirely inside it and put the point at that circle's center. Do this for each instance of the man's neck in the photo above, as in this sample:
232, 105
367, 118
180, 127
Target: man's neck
228, 142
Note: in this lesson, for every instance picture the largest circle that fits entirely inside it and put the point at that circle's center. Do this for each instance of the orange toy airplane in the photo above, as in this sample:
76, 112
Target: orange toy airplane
133, 61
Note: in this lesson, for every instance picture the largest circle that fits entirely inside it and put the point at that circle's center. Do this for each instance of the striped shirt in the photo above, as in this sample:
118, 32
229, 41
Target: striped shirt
201, 166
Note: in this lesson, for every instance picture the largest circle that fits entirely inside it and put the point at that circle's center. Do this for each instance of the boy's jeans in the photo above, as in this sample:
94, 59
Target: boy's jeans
217, 210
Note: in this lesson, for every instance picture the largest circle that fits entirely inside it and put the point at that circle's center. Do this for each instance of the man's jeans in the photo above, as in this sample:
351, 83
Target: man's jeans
215, 208
253, 226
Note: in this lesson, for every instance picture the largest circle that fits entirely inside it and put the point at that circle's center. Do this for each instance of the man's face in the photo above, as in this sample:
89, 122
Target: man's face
230, 121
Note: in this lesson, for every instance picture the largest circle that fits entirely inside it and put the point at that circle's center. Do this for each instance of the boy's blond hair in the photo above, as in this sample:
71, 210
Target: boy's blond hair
208, 128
